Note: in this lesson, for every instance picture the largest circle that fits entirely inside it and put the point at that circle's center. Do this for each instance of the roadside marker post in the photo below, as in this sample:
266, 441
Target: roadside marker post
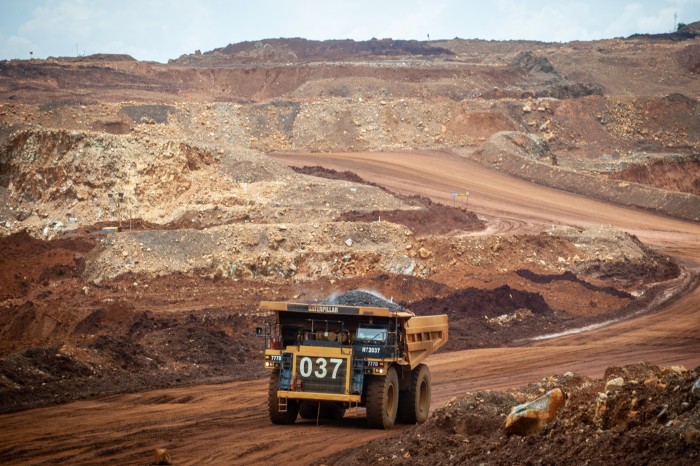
456, 195
465, 194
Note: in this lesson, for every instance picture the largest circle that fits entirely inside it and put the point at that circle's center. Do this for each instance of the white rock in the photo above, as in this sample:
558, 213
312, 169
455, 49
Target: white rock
614, 385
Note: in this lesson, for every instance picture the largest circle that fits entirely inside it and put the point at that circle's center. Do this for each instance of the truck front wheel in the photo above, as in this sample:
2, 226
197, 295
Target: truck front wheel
382, 400
278, 413
414, 403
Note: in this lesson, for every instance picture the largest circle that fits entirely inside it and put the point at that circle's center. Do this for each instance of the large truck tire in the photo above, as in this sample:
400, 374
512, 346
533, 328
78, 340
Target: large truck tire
273, 406
382, 400
414, 403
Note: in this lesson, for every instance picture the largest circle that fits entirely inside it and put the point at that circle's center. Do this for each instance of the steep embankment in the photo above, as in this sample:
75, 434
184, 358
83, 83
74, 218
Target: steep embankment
528, 157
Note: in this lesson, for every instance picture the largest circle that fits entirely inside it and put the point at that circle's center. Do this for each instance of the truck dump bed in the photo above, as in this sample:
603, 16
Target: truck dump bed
424, 335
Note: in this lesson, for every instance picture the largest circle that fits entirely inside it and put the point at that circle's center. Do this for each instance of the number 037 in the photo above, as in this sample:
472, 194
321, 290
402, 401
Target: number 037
319, 367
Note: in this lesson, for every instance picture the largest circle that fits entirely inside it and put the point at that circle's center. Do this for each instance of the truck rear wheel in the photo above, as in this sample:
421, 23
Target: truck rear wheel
382, 400
414, 403
277, 413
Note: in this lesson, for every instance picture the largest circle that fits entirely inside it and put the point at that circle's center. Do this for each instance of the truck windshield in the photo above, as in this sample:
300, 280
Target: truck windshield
371, 334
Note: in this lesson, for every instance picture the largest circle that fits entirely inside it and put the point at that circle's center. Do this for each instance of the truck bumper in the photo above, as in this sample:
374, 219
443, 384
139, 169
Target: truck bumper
341, 398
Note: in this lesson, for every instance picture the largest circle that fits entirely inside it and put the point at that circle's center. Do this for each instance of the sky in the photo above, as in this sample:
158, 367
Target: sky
158, 30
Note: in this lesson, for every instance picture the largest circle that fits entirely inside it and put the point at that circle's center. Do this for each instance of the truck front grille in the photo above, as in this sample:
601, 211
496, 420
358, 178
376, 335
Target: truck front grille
321, 374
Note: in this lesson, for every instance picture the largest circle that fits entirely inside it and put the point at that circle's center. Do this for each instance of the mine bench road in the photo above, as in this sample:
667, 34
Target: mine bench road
228, 424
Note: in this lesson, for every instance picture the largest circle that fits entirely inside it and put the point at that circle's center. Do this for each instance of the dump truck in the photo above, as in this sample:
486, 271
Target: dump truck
327, 358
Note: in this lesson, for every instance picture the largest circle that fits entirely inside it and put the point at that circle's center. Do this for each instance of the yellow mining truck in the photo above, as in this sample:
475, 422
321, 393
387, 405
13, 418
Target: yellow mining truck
326, 358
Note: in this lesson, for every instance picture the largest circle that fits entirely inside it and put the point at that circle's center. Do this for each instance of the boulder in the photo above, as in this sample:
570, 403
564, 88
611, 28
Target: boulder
695, 390
678, 370
162, 456
614, 385
530, 418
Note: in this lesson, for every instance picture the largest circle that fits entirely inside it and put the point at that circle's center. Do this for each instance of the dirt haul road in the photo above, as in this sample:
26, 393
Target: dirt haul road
227, 423
507, 203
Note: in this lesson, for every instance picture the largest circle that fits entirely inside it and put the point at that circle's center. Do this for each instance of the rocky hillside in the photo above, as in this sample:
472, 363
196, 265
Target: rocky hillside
299, 95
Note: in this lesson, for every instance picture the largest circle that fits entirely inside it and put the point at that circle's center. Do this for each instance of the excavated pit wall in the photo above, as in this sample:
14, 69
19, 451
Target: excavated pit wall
526, 157
588, 127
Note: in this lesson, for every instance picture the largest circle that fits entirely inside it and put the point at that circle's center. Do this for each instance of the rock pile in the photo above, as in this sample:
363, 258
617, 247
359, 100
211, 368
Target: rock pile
638, 414
61, 180
361, 298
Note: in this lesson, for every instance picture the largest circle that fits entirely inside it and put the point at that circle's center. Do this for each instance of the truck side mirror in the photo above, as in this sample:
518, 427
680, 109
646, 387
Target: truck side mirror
260, 331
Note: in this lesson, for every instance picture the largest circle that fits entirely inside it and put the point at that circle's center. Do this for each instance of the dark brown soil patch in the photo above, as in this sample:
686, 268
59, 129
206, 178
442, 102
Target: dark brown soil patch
436, 219
570, 277
654, 267
112, 127
145, 351
25, 261
39, 365
476, 302
304, 49
682, 176
331, 174
474, 313
430, 219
